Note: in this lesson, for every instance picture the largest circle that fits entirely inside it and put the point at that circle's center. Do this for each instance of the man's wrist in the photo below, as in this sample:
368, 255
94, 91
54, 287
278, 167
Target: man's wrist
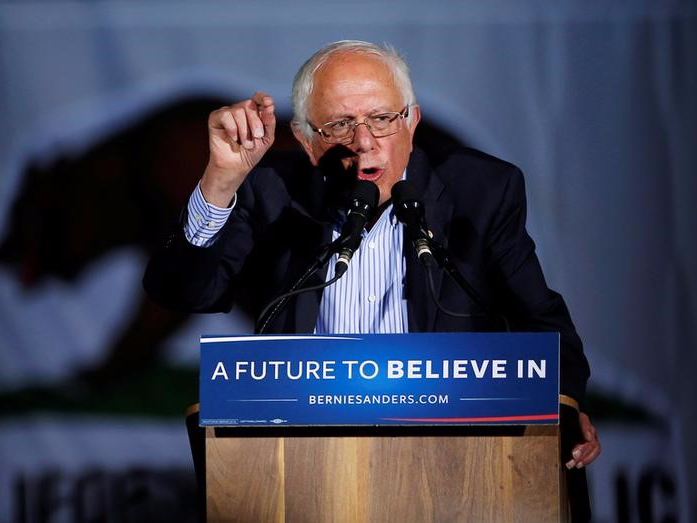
204, 219
219, 187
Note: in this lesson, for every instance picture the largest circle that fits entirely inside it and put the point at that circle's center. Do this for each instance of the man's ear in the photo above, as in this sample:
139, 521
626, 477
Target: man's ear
414, 118
304, 140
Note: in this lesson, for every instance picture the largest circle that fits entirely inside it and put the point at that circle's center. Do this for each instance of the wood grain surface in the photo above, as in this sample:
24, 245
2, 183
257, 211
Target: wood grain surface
385, 478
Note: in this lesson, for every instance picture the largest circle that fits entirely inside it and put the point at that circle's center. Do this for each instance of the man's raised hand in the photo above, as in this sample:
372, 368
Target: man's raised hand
238, 135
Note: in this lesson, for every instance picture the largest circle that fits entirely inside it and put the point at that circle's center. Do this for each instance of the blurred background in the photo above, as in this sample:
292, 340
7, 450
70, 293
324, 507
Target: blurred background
103, 108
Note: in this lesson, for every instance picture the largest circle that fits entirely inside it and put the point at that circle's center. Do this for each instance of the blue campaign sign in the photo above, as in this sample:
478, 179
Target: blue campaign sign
380, 379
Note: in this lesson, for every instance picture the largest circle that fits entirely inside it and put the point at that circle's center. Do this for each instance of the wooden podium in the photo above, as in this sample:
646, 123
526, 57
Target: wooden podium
489, 452
378, 474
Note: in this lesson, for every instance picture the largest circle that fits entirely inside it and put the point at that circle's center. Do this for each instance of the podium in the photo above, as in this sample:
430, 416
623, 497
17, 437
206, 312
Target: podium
396, 475
421, 471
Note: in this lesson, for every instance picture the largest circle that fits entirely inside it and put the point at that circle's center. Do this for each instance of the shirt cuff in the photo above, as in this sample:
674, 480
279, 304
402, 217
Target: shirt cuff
204, 220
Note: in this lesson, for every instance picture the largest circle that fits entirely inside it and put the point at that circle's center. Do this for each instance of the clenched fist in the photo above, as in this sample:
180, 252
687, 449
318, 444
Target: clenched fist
239, 136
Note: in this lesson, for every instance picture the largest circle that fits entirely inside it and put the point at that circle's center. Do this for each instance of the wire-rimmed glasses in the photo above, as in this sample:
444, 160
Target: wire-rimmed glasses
379, 125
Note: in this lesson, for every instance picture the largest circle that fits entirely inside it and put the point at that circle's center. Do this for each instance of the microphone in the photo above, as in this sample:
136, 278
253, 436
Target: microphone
363, 200
410, 211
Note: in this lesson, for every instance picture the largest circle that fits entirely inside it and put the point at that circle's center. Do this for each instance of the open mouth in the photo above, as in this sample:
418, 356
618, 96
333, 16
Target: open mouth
370, 173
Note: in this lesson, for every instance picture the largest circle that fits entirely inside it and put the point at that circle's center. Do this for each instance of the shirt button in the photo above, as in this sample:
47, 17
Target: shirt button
371, 244
371, 298
211, 224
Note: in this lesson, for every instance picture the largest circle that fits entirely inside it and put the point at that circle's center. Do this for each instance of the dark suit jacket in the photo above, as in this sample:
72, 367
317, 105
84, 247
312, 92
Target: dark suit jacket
475, 206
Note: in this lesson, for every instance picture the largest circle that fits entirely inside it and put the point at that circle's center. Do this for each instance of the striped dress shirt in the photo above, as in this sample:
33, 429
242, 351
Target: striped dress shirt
204, 220
368, 297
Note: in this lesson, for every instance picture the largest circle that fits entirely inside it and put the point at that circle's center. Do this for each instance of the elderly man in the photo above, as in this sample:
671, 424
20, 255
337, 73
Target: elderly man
254, 222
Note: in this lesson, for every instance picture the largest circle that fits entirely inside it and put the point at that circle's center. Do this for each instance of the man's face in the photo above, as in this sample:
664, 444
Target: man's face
354, 85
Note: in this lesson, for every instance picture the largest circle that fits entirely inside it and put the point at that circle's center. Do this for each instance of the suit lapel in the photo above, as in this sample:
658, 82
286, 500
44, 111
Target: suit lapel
303, 316
438, 211
309, 229
304, 308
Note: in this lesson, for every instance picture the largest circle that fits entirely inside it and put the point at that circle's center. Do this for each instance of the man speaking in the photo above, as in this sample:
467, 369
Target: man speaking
255, 222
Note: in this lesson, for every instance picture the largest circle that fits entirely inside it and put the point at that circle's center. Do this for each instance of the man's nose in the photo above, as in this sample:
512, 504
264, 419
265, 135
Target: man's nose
363, 139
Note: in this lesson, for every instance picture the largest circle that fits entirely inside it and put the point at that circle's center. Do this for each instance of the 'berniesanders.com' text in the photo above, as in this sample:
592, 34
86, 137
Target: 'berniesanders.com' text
378, 399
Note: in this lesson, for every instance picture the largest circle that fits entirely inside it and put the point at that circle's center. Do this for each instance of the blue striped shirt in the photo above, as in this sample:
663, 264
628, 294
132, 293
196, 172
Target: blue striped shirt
204, 220
369, 296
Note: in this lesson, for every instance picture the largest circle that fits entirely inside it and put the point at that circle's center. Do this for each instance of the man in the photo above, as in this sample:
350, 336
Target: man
253, 224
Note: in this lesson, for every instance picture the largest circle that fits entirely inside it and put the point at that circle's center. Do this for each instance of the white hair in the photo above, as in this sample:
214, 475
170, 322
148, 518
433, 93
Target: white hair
304, 79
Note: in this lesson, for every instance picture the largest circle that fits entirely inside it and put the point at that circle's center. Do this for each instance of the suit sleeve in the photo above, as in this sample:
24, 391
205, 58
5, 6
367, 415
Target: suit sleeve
191, 278
529, 302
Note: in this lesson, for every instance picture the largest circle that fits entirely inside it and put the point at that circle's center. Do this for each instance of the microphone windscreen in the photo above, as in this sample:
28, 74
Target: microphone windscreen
366, 192
404, 191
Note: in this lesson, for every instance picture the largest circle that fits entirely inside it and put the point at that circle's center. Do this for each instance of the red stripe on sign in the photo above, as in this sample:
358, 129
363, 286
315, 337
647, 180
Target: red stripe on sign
534, 417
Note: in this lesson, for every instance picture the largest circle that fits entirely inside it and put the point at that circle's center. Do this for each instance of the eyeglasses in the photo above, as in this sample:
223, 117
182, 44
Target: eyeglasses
379, 125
